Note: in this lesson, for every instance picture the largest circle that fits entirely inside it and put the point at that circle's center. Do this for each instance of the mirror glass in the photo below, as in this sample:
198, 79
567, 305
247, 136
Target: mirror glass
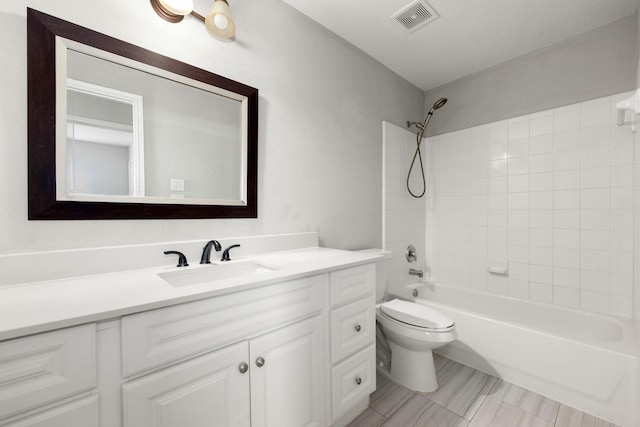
136, 134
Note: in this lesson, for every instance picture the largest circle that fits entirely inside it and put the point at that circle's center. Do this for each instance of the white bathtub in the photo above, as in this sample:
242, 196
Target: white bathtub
585, 360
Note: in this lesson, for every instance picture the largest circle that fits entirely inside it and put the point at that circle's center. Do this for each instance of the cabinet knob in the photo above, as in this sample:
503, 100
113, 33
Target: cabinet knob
358, 328
358, 380
243, 368
260, 362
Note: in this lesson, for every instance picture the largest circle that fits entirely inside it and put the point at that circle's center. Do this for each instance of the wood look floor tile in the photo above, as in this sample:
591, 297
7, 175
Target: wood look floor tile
526, 400
461, 389
368, 418
421, 412
495, 412
569, 417
388, 397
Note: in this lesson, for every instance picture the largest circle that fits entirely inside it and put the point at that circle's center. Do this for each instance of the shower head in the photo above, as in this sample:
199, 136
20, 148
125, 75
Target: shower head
422, 126
438, 104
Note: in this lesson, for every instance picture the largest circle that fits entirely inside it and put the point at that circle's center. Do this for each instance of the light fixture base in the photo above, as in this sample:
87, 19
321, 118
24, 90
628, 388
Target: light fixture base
164, 13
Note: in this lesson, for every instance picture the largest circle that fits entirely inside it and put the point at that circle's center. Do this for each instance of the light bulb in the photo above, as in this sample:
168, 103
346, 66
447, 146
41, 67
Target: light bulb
178, 7
220, 21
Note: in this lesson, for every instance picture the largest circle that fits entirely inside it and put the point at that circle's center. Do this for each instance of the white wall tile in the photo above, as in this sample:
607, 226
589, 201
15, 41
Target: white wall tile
541, 144
566, 180
567, 140
566, 218
594, 281
554, 193
566, 199
541, 125
595, 112
566, 118
595, 178
566, 277
540, 292
540, 255
566, 238
565, 160
566, 257
541, 274
541, 181
595, 136
543, 218
595, 157
541, 237
518, 147
541, 163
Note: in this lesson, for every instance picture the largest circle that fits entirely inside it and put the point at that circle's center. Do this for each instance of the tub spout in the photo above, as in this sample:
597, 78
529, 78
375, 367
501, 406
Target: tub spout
414, 272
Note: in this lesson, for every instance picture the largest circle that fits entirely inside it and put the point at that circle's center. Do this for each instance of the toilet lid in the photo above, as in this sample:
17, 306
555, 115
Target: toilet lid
416, 314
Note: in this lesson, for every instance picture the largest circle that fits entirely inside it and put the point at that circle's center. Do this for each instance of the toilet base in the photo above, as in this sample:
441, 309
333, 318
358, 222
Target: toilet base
414, 370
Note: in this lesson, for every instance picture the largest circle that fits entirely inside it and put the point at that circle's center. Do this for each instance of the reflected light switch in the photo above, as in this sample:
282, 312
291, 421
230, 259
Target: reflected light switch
177, 184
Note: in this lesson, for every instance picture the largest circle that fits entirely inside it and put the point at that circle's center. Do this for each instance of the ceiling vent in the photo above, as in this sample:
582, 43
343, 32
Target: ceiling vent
415, 15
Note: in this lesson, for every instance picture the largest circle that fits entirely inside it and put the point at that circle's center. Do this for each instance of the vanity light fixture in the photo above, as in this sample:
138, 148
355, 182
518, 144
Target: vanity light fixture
218, 22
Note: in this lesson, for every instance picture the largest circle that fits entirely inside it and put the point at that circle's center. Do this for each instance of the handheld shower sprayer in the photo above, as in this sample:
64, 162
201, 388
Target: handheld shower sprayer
422, 127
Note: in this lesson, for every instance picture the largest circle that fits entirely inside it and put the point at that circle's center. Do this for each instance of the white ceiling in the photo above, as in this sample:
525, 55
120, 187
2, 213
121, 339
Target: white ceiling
469, 35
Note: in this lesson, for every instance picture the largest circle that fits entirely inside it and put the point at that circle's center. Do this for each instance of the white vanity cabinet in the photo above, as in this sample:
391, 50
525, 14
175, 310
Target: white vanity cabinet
253, 358
49, 379
352, 338
294, 353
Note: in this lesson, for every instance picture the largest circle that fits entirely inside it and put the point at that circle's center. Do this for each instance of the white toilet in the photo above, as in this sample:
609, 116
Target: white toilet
411, 331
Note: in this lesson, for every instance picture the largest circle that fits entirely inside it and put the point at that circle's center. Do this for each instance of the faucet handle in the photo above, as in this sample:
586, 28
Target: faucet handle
225, 254
411, 253
182, 260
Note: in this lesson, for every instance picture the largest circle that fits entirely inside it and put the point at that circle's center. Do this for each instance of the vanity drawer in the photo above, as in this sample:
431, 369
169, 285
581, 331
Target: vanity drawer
84, 413
352, 283
352, 328
40, 369
159, 337
352, 380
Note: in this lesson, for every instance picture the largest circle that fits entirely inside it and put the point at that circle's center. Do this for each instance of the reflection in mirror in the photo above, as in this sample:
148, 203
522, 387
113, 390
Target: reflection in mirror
193, 139
105, 142
117, 131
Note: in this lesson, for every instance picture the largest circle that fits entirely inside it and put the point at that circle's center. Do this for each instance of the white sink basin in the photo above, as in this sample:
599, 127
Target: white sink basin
215, 272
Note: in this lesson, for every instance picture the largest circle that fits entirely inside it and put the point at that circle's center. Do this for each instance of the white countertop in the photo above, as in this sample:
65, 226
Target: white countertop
37, 307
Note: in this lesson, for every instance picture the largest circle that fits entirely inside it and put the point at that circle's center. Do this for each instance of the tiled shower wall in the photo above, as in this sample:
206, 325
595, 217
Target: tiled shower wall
552, 193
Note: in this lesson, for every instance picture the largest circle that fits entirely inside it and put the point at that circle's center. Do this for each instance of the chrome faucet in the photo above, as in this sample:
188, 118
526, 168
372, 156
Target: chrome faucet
206, 251
414, 272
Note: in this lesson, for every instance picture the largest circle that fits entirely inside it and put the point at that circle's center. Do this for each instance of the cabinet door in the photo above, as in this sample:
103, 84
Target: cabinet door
211, 390
286, 376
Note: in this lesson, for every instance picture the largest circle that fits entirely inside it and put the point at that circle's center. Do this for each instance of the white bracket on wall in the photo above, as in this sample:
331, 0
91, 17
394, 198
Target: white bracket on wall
628, 111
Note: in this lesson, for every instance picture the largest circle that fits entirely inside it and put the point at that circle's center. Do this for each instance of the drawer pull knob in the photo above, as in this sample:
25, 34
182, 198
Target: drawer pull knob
358, 380
260, 362
243, 368
358, 328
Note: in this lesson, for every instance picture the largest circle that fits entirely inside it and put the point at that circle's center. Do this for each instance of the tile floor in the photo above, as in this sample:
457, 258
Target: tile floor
467, 397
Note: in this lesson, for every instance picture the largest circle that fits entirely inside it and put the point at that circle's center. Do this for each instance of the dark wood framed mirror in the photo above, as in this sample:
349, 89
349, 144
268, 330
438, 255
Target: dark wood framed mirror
206, 169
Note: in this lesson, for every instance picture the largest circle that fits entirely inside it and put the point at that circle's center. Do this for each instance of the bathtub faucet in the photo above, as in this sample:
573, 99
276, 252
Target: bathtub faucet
414, 272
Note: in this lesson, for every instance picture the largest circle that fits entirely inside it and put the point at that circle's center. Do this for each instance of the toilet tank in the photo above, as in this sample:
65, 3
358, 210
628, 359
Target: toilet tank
383, 267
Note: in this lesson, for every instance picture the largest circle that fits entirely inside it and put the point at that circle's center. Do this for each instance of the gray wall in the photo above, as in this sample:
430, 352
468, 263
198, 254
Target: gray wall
594, 64
322, 103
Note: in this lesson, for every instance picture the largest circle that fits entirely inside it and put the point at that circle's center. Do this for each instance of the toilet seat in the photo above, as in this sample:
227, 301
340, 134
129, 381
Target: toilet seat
417, 315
